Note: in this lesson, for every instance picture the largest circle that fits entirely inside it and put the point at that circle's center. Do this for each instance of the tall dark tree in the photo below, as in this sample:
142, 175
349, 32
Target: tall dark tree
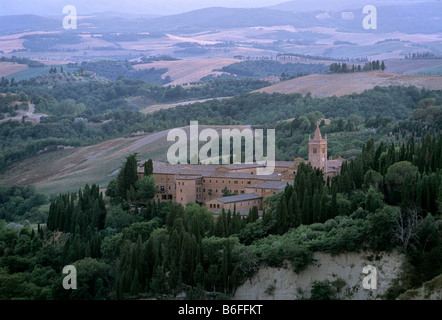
148, 168
128, 176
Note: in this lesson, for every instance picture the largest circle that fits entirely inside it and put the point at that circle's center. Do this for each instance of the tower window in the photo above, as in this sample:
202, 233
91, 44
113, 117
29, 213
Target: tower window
315, 151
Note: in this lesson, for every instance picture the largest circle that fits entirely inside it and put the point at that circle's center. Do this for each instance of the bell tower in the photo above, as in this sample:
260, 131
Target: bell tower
317, 150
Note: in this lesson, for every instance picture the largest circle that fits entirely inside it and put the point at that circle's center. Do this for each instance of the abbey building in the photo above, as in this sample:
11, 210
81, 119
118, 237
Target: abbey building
235, 186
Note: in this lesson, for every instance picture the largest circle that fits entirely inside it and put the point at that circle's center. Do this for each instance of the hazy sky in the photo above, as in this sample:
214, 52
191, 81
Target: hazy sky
52, 7
164, 7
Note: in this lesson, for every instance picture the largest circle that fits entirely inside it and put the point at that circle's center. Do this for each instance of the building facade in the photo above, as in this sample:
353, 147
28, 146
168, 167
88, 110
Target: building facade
209, 184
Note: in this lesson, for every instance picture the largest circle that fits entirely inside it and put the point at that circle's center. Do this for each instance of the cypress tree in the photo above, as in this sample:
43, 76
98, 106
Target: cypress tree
128, 176
148, 168
135, 287
306, 209
158, 284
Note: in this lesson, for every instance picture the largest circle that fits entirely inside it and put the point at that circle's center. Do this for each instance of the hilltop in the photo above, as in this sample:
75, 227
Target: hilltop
339, 84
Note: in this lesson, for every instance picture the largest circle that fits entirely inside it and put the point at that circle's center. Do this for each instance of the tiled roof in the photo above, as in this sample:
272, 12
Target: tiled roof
241, 175
318, 135
237, 166
270, 185
240, 197
207, 171
241, 212
287, 164
334, 163
188, 177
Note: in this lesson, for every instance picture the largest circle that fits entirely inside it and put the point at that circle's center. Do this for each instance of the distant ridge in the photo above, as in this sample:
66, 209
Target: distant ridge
27, 22
410, 17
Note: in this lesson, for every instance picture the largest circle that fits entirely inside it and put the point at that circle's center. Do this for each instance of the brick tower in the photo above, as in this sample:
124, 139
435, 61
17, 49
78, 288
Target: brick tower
317, 150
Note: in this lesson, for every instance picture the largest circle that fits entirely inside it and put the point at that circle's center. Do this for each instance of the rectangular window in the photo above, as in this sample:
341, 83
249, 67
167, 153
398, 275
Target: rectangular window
315, 151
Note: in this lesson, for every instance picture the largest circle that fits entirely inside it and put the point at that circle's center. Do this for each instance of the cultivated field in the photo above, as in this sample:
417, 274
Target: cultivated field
339, 84
8, 68
12, 42
186, 71
408, 66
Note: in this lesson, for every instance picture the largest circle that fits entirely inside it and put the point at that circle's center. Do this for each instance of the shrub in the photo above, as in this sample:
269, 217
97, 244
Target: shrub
380, 227
323, 290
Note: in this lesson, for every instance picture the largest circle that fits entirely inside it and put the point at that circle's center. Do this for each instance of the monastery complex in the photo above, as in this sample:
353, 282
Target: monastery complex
207, 184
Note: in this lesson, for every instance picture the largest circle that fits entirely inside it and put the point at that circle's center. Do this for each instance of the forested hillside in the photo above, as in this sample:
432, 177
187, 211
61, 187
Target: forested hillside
265, 68
72, 108
126, 246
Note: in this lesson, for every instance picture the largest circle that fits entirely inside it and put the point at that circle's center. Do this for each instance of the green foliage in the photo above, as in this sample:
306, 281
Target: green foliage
76, 213
21, 203
264, 68
369, 66
161, 248
143, 229
113, 69
427, 112
148, 168
396, 176
127, 179
380, 228
94, 279
118, 218
145, 188
322, 290
252, 232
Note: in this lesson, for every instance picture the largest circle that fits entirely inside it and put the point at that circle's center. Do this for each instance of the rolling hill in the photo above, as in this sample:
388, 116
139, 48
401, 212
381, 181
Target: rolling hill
339, 84
70, 168
411, 17
186, 71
